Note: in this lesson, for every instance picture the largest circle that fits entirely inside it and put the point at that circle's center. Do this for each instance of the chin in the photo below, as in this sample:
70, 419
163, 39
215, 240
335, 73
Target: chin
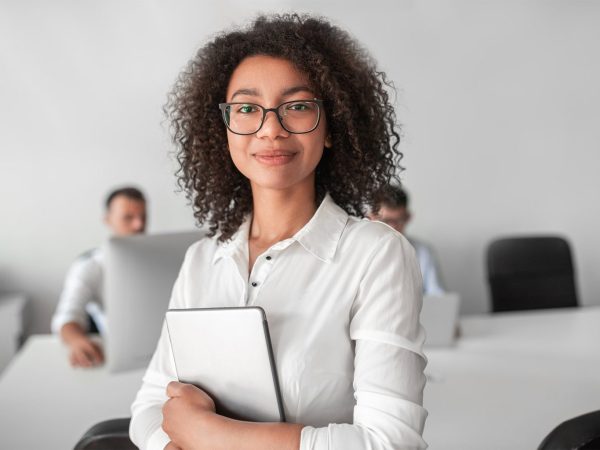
279, 182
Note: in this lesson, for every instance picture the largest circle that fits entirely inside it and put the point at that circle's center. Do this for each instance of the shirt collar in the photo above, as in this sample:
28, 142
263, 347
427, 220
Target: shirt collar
320, 236
237, 243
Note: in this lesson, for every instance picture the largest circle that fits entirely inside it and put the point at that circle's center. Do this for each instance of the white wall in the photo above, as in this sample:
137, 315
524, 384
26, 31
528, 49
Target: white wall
499, 102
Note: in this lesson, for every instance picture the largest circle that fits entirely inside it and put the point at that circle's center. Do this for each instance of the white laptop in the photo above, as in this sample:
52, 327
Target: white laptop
227, 352
439, 317
139, 274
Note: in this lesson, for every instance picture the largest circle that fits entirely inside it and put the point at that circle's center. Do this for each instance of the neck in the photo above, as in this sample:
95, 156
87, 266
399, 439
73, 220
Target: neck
279, 214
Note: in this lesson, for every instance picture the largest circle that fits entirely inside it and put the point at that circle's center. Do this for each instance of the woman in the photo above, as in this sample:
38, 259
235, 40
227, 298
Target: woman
284, 134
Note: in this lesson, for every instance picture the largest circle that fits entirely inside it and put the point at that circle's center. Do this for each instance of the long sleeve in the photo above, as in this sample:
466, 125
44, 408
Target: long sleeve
388, 366
82, 287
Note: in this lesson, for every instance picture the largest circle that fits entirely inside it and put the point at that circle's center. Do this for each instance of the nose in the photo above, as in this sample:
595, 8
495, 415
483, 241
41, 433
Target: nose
138, 225
271, 127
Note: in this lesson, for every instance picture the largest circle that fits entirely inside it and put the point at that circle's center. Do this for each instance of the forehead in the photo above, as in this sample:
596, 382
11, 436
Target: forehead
265, 76
388, 211
124, 203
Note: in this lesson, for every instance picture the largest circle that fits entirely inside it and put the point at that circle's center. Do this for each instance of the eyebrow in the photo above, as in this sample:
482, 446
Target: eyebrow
285, 93
252, 92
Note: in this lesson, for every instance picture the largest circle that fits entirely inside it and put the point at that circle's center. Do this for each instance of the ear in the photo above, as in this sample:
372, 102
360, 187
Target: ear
328, 143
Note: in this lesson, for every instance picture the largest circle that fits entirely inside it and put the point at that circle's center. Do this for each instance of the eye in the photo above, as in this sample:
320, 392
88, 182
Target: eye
247, 108
299, 106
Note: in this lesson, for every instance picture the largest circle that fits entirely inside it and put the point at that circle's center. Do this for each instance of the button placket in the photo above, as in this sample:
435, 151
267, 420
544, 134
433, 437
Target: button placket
260, 271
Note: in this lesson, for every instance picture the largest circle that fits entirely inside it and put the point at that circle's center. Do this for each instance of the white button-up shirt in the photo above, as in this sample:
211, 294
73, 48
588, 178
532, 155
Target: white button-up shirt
342, 298
82, 294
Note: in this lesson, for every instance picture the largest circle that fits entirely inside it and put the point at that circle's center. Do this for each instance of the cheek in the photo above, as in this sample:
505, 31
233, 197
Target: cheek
237, 151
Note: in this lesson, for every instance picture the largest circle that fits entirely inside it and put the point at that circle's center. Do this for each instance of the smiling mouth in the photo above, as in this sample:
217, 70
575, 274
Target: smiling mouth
276, 158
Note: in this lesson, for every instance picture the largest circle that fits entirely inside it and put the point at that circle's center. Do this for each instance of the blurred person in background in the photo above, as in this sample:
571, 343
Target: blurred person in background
390, 206
79, 309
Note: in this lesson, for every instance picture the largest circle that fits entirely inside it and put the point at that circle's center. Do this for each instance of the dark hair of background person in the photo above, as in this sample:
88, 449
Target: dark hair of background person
392, 196
360, 118
128, 191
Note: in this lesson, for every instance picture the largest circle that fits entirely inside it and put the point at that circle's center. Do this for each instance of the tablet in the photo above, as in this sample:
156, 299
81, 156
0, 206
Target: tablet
227, 353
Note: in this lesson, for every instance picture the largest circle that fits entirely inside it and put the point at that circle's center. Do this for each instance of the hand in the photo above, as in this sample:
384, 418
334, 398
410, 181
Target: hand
84, 352
187, 416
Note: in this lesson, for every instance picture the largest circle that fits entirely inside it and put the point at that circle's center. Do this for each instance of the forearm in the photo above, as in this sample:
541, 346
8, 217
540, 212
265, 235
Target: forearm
228, 433
71, 331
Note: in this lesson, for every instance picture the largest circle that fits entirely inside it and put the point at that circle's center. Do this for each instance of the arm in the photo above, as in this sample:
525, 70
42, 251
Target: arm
70, 319
83, 352
190, 420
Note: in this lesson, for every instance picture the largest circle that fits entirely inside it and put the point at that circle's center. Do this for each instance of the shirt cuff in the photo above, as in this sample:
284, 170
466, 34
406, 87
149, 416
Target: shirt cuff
311, 438
158, 440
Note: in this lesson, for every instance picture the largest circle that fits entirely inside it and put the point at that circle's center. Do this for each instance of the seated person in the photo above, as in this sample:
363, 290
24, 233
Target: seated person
391, 207
82, 292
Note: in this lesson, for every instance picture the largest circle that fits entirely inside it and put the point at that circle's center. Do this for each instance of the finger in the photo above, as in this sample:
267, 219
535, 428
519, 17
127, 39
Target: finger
94, 353
165, 408
166, 416
174, 389
80, 359
87, 356
84, 360
99, 353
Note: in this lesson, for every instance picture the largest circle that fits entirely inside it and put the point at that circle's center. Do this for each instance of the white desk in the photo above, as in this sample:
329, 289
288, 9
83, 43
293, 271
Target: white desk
509, 380
46, 404
513, 377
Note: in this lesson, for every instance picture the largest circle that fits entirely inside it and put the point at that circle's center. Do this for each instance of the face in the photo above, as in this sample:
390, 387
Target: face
126, 216
397, 218
273, 158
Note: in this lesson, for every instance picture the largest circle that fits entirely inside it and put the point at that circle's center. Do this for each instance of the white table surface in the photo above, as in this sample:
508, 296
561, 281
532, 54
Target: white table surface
510, 379
46, 404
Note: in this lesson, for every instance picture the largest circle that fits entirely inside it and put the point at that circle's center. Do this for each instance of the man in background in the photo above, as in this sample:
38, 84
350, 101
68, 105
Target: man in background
390, 206
81, 298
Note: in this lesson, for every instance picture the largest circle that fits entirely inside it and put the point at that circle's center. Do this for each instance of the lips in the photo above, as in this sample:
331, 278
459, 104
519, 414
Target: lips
275, 157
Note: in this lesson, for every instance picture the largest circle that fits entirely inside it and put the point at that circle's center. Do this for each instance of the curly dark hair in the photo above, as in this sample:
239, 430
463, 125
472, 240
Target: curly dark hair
361, 121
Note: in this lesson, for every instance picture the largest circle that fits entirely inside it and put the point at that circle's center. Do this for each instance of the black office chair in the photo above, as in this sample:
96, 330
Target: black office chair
531, 273
108, 435
579, 433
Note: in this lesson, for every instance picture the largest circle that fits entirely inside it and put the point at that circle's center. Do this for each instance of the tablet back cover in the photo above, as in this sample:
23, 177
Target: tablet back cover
227, 353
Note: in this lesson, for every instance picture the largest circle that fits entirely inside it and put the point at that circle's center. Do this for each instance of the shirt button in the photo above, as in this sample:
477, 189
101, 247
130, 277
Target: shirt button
269, 258
254, 284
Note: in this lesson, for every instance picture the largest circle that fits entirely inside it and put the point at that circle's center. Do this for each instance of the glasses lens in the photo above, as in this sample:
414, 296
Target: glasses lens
299, 116
243, 118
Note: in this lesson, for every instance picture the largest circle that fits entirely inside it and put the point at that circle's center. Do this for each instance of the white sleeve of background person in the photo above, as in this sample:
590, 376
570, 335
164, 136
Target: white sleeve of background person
82, 285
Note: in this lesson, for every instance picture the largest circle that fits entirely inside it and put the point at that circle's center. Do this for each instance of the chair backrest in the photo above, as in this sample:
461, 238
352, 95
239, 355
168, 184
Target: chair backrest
580, 433
531, 273
107, 435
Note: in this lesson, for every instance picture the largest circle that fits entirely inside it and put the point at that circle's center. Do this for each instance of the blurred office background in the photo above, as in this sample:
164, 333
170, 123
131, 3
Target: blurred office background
499, 102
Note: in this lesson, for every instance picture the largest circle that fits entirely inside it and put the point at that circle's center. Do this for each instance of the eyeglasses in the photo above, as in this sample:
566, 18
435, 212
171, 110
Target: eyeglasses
297, 116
